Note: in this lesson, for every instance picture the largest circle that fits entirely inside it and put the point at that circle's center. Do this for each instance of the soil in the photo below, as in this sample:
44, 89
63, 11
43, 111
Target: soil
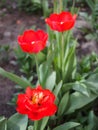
11, 25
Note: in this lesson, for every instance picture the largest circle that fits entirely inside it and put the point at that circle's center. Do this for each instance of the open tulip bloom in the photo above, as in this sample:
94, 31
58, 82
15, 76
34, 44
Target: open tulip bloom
36, 103
33, 41
61, 22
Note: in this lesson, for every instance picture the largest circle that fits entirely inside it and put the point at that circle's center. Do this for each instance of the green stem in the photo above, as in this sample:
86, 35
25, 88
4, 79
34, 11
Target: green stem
62, 52
35, 125
61, 5
55, 6
37, 69
73, 5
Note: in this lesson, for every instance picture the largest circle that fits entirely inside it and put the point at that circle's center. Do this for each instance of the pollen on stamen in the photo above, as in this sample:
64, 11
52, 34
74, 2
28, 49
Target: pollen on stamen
37, 98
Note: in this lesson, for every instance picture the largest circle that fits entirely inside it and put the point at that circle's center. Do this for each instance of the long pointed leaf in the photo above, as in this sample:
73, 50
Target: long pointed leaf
23, 83
67, 126
3, 123
78, 100
44, 123
17, 122
63, 104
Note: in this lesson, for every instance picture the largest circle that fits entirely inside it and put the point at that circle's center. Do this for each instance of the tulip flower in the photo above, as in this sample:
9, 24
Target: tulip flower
61, 22
36, 103
33, 41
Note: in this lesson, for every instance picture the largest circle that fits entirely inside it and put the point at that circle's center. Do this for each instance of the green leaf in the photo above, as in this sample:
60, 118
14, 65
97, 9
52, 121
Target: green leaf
23, 83
91, 4
36, 1
17, 122
50, 81
69, 64
30, 127
45, 8
41, 57
57, 88
93, 78
78, 100
3, 123
82, 88
43, 72
92, 83
91, 121
78, 86
48, 128
67, 86
63, 104
2, 118
47, 78
67, 126
44, 123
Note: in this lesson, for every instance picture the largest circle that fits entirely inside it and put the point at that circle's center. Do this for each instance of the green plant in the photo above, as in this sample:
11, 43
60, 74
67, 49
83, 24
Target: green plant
3, 2
26, 63
31, 6
92, 19
87, 64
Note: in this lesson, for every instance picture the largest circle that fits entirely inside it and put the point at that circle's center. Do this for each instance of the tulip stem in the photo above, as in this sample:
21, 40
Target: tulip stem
62, 52
61, 5
37, 69
35, 125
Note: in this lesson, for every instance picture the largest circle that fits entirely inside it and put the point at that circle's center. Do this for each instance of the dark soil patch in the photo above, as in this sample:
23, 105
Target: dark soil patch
6, 92
11, 25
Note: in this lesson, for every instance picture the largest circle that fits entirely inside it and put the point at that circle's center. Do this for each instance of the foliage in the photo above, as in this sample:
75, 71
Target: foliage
31, 6
91, 32
15, 122
26, 63
94, 16
86, 65
2, 3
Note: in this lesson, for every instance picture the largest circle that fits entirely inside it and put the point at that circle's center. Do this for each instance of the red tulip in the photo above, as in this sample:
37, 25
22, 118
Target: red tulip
36, 103
61, 22
33, 41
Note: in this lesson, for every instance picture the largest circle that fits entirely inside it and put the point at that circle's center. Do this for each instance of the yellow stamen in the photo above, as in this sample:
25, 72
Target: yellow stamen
37, 97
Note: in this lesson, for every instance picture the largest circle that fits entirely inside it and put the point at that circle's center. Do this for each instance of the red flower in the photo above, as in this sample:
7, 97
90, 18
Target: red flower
33, 41
36, 103
61, 22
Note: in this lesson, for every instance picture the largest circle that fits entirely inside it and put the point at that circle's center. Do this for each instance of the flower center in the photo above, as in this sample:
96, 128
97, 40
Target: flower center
37, 98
